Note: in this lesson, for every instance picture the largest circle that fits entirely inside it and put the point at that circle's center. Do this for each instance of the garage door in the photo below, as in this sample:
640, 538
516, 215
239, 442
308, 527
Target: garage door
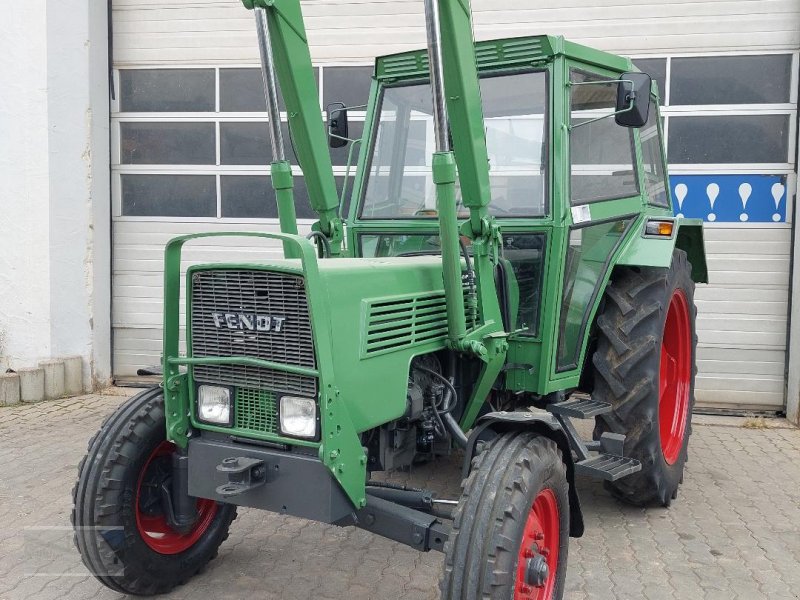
189, 146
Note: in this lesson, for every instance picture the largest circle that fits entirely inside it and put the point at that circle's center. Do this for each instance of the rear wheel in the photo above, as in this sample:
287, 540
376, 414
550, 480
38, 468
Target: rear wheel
645, 367
511, 529
119, 515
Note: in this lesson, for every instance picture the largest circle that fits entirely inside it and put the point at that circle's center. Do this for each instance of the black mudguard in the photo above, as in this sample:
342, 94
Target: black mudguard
541, 422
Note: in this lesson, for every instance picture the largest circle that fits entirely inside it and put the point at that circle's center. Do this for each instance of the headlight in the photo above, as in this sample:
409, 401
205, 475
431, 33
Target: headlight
299, 417
214, 404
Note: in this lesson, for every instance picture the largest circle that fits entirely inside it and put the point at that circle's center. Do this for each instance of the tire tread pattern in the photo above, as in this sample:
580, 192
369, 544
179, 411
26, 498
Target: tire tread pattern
481, 553
626, 366
102, 500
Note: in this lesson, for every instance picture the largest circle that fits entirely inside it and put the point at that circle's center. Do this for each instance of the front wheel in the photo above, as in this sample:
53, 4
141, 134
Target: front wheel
119, 515
510, 533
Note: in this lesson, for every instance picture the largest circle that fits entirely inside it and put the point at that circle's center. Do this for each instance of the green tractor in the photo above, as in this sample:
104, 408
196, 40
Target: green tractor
508, 261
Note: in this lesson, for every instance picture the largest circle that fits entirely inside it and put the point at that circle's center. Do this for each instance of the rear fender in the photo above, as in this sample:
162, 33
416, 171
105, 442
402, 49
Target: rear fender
641, 251
541, 423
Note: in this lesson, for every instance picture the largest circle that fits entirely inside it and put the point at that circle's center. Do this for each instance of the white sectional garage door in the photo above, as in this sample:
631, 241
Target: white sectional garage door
189, 145
742, 318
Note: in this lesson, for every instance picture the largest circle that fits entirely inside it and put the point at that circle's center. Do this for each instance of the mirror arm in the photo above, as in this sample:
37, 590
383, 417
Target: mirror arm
339, 137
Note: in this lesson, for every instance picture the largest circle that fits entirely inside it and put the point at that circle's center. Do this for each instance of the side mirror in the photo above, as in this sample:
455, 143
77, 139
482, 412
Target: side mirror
633, 99
337, 125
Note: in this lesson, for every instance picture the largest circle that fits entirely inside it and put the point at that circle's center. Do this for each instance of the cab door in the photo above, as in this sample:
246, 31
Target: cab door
604, 200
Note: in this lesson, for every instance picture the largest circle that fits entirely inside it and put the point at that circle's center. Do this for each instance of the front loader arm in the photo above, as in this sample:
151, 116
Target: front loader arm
464, 109
295, 76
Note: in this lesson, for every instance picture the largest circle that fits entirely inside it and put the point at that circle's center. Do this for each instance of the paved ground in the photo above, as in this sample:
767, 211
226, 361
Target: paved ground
734, 531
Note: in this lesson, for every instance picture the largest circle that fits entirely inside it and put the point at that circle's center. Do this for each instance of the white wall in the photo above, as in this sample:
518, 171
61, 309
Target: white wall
24, 169
215, 32
55, 243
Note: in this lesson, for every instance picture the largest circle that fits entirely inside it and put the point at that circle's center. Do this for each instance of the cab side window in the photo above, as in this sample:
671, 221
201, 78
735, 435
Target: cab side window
655, 179
602, 158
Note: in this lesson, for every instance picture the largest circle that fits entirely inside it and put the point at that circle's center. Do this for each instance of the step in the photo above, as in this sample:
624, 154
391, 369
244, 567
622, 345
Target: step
582, 407
608, 467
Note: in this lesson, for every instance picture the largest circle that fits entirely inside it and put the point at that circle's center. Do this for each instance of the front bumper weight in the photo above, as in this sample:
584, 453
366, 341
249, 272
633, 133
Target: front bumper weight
296, 483
244, 474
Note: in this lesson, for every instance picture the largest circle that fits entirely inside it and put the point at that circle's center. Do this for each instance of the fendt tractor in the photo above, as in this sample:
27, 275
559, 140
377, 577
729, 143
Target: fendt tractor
507, 260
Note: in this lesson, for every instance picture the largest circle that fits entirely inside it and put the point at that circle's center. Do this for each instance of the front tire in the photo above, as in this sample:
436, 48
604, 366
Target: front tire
644, 367
121, 530
510, 534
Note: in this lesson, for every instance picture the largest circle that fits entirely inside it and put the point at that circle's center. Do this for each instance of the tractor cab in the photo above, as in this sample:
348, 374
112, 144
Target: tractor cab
563, 126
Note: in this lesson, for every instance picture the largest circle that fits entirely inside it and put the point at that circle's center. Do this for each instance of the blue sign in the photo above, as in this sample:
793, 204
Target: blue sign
730, 198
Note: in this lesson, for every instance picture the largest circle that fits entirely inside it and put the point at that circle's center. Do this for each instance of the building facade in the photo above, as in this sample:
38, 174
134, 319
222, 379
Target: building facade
181, 146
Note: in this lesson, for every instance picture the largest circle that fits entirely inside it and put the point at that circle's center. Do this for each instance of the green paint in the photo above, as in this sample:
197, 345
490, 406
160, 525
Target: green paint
444, 177
373, 311
282, 183
650, 252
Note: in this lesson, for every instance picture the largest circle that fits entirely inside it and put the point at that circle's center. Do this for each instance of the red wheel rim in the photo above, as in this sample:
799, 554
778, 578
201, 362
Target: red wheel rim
675, 377
154, 529
540, 539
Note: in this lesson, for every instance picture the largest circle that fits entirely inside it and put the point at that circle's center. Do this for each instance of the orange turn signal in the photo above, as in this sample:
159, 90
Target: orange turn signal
659, 228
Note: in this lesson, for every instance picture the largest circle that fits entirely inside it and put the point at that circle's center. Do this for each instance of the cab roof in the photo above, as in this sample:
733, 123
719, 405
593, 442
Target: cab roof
502, 54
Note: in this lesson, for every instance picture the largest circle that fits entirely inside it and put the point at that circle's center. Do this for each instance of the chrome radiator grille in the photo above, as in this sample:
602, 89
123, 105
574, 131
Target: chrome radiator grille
258, 314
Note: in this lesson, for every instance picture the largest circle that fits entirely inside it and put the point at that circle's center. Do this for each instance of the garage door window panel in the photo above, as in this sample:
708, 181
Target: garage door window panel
252, 197
758, 79
167, 143
729, 139
657, 69
349, 85
167, 90
247, 143
242, 90
169, 195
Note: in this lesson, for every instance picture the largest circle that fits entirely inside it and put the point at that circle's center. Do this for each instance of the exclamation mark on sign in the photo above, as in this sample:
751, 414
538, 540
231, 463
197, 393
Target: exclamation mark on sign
712, 191
744, 193
680, 195
777, 196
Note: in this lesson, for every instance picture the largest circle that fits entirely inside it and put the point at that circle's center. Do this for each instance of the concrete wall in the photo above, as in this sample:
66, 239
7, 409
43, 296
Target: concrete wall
55, 242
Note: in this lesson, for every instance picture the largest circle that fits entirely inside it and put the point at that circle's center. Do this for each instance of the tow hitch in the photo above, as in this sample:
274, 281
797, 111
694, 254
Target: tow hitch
244, 474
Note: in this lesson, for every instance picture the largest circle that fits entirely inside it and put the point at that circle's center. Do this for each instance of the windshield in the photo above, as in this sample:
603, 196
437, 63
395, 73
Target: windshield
399, 183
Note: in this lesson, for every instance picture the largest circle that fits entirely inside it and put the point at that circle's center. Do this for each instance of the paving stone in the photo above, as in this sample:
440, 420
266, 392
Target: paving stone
733, 532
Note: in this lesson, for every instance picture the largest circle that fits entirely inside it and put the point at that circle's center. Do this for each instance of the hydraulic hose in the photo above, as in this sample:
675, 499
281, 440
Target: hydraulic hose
451, 398
448, 402
455, 431
326, 245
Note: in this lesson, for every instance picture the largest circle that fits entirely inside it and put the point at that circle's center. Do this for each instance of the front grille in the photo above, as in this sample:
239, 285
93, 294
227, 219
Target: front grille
253, 313
256, 411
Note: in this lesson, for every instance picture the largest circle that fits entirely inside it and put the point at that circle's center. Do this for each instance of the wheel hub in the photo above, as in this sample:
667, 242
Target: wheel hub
537, 561
536, 571
156, 526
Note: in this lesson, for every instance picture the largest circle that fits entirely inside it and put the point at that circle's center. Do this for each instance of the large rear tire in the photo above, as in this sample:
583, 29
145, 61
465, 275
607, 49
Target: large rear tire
121, 530
644, 367
510, 532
